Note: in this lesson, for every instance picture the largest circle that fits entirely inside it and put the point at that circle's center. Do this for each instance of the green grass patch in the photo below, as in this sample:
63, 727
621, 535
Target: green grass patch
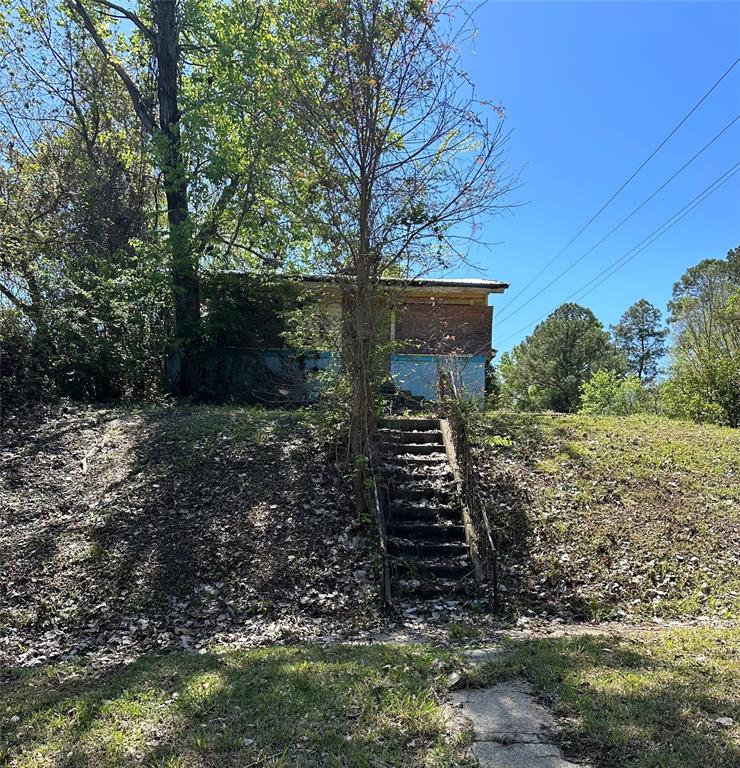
626, 515
339, 706
651, 700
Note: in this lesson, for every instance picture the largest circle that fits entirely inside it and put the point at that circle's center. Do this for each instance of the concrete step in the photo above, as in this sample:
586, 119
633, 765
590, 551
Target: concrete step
426, 549
416, 449
421, 491
413, 462
428, 531
425, 570
397, 436
427, 513
422, 469
410, 424
433, 587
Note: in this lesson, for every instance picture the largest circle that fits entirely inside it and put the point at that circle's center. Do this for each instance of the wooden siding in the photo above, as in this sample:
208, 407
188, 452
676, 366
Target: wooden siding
440, 328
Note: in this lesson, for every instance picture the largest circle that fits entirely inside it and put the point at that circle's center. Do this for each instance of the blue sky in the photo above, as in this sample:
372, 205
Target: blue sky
590, 89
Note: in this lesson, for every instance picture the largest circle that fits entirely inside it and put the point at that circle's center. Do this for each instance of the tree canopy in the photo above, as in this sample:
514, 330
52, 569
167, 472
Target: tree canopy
705, 369
641, 336
546, 371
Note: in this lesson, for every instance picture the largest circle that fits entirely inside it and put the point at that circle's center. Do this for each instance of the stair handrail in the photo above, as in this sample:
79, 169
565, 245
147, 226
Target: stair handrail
472, 495
377, 506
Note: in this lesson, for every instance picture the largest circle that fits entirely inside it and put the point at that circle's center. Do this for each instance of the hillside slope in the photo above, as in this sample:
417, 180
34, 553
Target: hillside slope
608, 518
125, 530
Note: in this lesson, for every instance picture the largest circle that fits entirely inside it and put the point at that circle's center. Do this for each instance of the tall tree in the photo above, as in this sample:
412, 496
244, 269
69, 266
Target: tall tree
546, 370
640, 334
202, 78
405, 160
75, 189
705, 373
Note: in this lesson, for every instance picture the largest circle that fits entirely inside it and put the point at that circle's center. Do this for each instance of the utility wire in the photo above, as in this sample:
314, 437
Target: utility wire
623, 221
649, 240
614, 196
617, 267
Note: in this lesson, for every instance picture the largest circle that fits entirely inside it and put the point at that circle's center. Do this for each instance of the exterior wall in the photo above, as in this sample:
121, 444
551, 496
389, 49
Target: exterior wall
262, 375
419, 374
441, 329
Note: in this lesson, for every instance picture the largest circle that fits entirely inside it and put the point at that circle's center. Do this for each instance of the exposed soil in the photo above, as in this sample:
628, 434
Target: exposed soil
123, 531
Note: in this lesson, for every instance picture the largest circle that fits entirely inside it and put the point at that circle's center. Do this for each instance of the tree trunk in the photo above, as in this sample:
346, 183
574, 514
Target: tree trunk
359, 340
184, 259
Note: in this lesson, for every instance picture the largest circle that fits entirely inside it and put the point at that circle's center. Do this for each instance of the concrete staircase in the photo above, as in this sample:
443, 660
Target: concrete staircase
426, 536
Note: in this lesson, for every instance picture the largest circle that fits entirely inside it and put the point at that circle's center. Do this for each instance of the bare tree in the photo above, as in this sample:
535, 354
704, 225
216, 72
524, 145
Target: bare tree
406, 161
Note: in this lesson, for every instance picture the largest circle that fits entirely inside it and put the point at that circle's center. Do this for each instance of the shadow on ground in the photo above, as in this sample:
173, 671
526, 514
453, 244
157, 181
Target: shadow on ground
188, 524
340, 706
640, 701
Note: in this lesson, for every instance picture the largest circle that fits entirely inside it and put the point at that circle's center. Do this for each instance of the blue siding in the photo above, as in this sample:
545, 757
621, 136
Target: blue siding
246, 374
419, 374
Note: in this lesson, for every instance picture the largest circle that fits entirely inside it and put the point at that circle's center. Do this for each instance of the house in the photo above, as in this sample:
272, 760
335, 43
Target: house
435, 325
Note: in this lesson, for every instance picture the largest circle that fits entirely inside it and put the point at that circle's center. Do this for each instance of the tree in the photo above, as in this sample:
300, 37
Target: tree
705, 372
641, 336
608, 394
203, 79
77, 257
547, 369
405, 164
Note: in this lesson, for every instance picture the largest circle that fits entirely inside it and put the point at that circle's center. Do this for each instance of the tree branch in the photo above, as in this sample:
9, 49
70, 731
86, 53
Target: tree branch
147, 120
132, 17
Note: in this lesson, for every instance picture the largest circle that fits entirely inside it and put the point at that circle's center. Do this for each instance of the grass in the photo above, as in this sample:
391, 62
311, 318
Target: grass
647, 700
619, 516
339, 706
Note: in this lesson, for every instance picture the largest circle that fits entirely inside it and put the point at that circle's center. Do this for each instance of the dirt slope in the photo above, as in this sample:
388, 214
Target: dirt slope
614, 518
127, 530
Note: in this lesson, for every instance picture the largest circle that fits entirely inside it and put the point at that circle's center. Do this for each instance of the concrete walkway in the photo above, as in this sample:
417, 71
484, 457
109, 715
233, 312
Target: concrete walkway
511, 729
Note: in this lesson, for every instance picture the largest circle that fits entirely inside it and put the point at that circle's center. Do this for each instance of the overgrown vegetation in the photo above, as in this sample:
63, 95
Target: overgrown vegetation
609, 517
274, 707
567, 363
637, 700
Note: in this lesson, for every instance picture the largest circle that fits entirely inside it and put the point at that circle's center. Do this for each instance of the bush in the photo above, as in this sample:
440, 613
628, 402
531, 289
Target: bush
710, 394
607, 394
19, 379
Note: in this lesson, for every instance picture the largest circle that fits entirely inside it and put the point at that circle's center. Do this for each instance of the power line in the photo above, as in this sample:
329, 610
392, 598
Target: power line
623, 221
643, 244
617, 267
614, 196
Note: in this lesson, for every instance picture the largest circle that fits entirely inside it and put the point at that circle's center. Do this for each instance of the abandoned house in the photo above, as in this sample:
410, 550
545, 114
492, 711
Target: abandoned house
435, 325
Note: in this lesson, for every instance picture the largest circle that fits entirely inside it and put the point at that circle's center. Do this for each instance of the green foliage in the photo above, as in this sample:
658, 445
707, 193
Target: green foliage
608, 394
641, 337
245, 311
546, 371
704, 380
708, 394
20, 379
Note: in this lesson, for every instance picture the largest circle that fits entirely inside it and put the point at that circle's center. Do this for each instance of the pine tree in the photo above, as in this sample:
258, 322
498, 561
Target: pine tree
640, 334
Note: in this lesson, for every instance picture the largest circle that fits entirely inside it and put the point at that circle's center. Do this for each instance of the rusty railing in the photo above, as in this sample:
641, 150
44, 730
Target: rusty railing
484, 540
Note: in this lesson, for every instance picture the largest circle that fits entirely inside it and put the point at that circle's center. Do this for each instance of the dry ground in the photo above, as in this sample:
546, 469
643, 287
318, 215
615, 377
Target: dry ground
127, 530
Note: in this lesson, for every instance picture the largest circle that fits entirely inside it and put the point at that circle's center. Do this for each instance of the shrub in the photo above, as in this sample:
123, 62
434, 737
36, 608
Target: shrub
607, 394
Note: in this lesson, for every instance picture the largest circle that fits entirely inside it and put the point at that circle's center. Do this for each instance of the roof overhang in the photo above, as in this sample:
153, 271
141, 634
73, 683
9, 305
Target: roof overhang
458, 284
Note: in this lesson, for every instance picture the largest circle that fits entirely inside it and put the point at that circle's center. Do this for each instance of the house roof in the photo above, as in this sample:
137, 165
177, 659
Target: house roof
494, 286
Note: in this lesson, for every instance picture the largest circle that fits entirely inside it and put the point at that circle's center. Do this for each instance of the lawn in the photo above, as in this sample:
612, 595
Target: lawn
639, 700
604, 517
306, 706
